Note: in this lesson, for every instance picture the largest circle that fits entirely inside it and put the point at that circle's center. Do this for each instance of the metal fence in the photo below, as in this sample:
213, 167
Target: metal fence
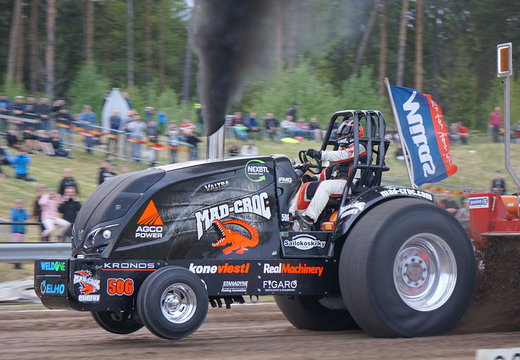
28, 251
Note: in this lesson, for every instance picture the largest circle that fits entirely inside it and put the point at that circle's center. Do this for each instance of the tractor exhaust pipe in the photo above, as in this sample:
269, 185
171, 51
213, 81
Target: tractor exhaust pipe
216, 145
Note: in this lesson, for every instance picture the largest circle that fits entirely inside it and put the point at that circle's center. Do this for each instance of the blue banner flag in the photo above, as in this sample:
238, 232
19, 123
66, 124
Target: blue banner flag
425, 135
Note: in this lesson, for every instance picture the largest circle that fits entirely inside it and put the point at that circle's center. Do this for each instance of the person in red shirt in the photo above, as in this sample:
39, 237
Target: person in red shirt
463, 133
495, 122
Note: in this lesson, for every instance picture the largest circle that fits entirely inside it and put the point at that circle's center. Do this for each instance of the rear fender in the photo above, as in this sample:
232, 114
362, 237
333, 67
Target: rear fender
350, 214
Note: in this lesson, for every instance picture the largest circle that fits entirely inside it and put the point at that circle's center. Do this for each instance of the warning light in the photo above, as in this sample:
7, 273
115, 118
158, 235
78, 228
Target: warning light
504, 59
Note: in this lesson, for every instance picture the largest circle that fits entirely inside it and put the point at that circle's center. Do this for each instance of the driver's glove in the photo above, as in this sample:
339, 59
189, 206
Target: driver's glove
308, 178
314, 154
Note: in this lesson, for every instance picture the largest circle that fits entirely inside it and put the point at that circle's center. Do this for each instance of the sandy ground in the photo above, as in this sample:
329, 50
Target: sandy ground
243, 332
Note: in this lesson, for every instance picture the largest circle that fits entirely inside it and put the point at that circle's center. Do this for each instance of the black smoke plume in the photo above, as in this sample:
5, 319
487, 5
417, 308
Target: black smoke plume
230, 37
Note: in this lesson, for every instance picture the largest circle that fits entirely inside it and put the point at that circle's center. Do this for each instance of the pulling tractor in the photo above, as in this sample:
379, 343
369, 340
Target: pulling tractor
156, 247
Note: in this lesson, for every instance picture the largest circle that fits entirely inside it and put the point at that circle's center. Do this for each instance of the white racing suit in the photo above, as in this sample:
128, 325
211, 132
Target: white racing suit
332, 181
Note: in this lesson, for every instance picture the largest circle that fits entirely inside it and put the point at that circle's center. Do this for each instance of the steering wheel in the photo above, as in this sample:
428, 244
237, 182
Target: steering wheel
308, 165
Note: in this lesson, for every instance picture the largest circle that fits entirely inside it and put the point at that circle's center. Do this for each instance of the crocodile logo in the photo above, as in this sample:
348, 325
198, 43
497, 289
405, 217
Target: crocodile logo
238, 242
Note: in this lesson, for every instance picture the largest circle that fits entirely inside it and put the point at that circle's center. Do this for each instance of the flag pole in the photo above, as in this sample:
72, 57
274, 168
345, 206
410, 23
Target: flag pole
401, 138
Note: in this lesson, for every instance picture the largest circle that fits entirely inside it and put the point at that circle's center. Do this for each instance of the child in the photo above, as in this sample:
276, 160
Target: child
20, 163
18, 214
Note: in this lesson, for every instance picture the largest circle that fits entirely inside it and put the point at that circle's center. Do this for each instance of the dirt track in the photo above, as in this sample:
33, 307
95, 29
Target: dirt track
244, 332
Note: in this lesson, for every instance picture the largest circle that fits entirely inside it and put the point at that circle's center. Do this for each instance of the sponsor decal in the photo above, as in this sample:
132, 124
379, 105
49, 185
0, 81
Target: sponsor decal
285, 217
52, 289
354, 208
236, 286
220, 269
120, 287
88, 286
150, 224
216, 186
279, 285
123, 266
304, 242
285, 180
53, 265
479, 202
232, 240
293, 269
257, 204
255, 170
406, 191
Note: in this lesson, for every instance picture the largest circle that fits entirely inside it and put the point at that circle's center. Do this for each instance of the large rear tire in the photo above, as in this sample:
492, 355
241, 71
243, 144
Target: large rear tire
307, 312
117, 322
172, 302
407, 269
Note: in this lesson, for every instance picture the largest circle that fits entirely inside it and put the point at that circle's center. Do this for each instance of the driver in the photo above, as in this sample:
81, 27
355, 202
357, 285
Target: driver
332, 179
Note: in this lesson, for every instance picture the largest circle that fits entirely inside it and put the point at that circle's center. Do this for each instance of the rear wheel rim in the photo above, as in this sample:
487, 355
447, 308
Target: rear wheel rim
178, 303
425, 272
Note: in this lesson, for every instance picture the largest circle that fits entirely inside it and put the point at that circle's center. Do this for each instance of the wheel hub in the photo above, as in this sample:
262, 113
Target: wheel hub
178, 303
415, 271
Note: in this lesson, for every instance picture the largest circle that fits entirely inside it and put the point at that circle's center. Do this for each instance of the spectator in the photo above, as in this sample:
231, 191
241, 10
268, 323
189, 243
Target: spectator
463, 133
127, 144
69, 208
106, 97
173, 141
252, 123
30, 108
151, 134
136, 131
200, 113
68, 181
293, 111
448, 203
314, 126
4, 159
20, 163
5, 109
128, 100
19, 215
37, 209
18, 109
272, 127
186, 128
462, 215
516, 132
45, 142
30, 140
495, 123
57, 145
233, 148
162, 120
303, 129
249, 149
43, 111
88, 120
453, 131
148, 113
115, 125
64, 122
498, 185
237, 124
49, 203
13, 141
288, 126
106, 171
193, 140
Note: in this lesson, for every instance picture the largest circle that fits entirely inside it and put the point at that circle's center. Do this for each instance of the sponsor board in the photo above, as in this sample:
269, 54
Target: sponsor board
257, 204
120, 287
285, 180
150, 224
53, 265
280, 285
220, 269
216, 186
479, 202
282, 268
48, 288
234, 286
304, 242
406, 191
256, 170
88, 286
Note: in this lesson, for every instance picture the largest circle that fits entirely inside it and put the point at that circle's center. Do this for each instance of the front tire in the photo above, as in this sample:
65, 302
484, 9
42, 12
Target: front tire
172, 302
306, 312
117, 322
407, 269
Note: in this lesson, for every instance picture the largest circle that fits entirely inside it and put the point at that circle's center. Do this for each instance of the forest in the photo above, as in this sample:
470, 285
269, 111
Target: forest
324, 55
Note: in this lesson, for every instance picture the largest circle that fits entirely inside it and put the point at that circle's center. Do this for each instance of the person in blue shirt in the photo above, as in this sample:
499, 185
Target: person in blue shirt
18, 215
88, 120
20, 163
252, 123
5, 109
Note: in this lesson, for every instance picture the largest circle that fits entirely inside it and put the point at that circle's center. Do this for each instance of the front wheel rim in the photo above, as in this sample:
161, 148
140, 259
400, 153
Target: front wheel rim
425, 272
178, 303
